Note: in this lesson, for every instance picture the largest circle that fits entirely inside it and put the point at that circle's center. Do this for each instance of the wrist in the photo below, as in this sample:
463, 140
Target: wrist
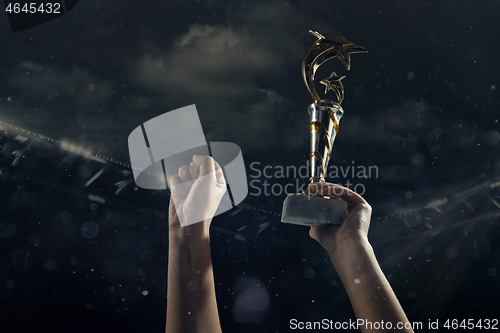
191, 233
348, 249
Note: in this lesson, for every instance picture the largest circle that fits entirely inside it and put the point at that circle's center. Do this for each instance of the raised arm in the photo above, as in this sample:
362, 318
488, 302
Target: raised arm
191, 302
371, 296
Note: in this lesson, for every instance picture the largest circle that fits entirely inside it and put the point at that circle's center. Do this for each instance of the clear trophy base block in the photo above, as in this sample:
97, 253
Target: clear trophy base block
311, 210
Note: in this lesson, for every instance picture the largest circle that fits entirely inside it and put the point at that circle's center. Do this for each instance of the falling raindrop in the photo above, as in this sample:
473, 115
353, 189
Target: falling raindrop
22, 259
192, 285
142, 102
479, 247
30, 200
252, 300
492, 271
413, 218
7, 229
50, 264
66, 217
451, 252
89, 229
309, 273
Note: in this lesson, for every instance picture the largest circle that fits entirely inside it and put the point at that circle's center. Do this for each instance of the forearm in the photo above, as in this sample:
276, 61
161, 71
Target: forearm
191, 302
371, 296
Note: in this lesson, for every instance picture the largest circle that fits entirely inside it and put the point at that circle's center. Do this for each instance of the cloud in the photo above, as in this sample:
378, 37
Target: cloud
64, 104
77, 83
209, 62
233, 71
406, 117
228, 70
31, 66
218, 68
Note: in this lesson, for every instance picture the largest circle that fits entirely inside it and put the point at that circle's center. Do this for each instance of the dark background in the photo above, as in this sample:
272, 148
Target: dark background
422, 106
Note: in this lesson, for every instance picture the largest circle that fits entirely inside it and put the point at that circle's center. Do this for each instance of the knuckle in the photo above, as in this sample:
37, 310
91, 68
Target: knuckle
367, 206
207, 158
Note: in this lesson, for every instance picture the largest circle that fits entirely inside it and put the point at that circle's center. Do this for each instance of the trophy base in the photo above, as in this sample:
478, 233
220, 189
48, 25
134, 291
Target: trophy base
311, 210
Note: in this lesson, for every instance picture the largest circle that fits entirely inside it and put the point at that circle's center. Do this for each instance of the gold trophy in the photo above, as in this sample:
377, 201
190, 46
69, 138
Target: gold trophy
325, 115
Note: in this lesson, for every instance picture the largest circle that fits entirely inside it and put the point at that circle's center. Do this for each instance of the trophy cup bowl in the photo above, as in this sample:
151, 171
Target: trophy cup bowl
324, 115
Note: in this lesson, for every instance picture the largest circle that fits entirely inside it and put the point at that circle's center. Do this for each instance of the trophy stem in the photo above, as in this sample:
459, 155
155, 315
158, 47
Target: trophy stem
324, 126
307, 209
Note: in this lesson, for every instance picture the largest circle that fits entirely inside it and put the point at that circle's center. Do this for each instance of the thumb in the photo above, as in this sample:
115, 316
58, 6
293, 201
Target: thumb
210, 181
207, 166
210, 171
206, 193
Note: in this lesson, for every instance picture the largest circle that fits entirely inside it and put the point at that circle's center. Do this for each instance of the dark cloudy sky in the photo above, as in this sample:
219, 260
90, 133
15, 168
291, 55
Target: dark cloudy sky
422, 105
93, 75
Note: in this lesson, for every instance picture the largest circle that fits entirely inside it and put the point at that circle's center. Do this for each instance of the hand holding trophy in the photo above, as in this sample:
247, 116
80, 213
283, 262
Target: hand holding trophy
306, 208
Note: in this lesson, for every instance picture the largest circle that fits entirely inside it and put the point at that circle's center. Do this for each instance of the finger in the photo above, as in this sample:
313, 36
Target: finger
206, 194
219, 174
319, 232
184, 173
313, 232
355, 202
185, 176
312, 188
177, 188
210, 170
207, 167
194, 166
338, 191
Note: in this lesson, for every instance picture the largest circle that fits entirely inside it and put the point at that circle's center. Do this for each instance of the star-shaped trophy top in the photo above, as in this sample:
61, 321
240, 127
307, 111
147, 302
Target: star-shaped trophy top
326, 47
334, 83
343, 48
